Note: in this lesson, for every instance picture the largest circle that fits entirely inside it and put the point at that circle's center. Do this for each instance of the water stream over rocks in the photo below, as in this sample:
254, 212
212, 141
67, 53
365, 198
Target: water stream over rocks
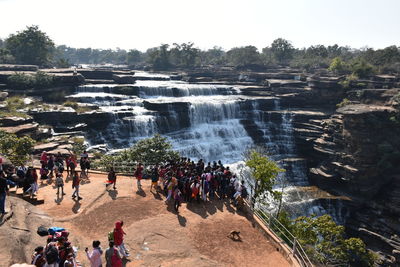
208, 121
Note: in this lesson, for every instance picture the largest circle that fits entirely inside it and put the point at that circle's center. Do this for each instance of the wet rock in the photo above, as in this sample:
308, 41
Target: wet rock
102, 74
14, 121
123, 79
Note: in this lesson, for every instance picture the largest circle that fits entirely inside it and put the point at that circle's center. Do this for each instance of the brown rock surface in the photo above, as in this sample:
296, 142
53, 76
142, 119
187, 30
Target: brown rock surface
156, 235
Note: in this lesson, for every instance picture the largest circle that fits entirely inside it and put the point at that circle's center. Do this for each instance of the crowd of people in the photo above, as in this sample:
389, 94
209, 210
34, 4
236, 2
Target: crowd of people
188, 181
180, 181
59, 252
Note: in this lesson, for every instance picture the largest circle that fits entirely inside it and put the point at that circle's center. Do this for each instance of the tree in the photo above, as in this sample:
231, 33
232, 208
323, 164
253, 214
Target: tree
361, 68
282, 50
242, 56
184, 55
264, 172
17, 149
133, 57
338, 66
149, 151
6, 57
158, 57
213, 56
31, 46
325, 242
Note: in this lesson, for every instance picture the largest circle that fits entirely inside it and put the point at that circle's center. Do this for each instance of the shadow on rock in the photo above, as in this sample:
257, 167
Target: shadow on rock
182, 220
59, 199
76, 207
113, 194
141, 193
156, 195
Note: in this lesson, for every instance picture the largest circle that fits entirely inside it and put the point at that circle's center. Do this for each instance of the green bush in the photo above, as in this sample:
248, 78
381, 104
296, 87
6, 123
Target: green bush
71, 104
149, 151
22, 81
43, 80
17, 149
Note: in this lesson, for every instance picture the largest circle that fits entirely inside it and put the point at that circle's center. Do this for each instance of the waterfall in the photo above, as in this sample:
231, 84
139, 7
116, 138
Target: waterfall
211, 122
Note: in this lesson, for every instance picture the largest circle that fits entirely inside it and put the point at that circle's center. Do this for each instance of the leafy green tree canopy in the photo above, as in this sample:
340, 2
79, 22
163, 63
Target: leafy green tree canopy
149, 151
16, 149
264, 171
282, 50
30, 46
338, 66
325, 241
242, 56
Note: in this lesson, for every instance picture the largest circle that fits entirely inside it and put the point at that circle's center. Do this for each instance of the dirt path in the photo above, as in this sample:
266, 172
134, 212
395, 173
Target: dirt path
156, 235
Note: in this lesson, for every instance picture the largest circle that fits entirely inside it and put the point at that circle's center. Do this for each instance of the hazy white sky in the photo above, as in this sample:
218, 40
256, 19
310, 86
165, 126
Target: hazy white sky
228, 23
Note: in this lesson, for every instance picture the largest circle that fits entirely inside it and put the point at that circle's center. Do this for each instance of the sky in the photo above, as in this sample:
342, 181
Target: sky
142, 24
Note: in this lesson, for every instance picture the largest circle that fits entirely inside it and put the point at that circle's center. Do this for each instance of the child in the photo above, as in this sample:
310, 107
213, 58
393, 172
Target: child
60, 184
177, 198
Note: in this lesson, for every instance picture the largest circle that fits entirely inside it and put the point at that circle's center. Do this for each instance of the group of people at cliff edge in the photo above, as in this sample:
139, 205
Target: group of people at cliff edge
187, 181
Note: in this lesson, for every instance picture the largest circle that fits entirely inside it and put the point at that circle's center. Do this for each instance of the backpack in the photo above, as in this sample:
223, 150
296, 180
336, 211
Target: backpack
51, 254
111, 236
42, 231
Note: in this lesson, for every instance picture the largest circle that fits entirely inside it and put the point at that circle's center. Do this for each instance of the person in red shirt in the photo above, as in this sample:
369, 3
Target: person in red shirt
75, 185
119, 238
139, 175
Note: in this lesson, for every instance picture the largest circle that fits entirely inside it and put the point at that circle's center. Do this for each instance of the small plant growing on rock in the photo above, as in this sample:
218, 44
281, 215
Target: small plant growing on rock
344, 102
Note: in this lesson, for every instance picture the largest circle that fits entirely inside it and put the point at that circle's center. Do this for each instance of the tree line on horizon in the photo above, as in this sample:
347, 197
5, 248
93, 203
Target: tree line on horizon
32, 46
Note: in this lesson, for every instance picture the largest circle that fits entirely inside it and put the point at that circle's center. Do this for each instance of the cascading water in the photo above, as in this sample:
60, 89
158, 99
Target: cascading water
212, 122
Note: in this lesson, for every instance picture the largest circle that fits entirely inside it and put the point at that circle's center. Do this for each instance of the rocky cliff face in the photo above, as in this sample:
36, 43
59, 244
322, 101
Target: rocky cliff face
357, 154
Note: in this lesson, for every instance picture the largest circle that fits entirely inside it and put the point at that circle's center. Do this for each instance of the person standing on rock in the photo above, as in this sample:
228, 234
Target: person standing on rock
139, 175
177, 198
119, 238
75, 185
3, 193
154, 178
112, 178
95, 255
32, 176
113, 257
59, 184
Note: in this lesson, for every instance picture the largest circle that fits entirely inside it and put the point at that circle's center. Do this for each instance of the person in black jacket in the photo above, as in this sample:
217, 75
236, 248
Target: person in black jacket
3, 193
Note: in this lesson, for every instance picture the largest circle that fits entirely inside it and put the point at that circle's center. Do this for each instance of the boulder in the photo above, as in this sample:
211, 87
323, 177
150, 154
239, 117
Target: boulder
44, 147
3, 96
14, 121
23, 129
123, 79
